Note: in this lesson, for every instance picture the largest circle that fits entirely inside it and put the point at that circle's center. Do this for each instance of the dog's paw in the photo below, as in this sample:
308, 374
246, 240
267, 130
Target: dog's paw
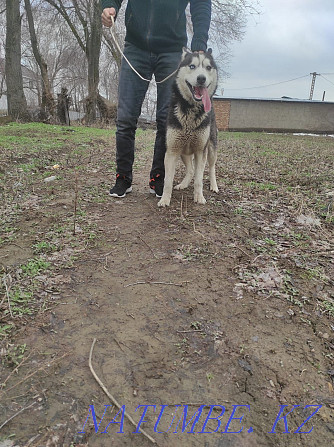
181, 186
199, 198
163, 202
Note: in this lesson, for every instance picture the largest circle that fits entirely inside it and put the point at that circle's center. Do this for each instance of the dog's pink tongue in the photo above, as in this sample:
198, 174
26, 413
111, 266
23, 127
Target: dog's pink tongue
206, 100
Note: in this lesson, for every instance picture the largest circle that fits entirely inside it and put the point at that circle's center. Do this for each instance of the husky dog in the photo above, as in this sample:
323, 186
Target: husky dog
191, 125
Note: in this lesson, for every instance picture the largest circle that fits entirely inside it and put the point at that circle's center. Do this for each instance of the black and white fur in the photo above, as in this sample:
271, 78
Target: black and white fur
191, 131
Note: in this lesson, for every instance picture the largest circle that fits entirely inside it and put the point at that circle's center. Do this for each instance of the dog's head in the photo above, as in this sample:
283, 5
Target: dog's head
197, 77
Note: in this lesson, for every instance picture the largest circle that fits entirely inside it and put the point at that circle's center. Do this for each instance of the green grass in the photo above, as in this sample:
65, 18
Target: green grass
44, 247
328, 307
5, 329
8, 233
38, 137
15, 355
34, 267
261, 186
20, 303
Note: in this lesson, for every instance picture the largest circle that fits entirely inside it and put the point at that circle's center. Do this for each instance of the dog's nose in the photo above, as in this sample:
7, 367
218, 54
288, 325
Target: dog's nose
201, 79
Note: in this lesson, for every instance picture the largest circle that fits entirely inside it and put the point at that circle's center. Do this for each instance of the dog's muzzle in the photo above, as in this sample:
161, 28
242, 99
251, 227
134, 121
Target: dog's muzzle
200, 93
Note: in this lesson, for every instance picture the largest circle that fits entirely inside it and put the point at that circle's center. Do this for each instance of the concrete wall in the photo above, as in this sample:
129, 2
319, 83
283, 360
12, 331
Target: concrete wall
272, 115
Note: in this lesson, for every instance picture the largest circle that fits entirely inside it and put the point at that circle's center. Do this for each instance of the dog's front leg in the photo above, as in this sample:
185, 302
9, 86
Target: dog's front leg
188, 162
212, 158
200, 160
170, 163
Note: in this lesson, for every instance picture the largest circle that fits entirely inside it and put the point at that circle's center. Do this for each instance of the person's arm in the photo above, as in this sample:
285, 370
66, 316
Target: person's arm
200, 11
110, 8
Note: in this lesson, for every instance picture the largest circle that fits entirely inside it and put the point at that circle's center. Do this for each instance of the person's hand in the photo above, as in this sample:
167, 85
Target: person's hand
106, 20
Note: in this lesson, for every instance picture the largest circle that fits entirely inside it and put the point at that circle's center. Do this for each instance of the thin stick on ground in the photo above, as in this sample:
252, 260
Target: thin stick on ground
181, 208
4, 279
150, 248
198, 404
198, 232
75, 203
242, 251
3, 299
190, 331
35, 372
157, 282
111, 397
31, 441
16, 414
3, 384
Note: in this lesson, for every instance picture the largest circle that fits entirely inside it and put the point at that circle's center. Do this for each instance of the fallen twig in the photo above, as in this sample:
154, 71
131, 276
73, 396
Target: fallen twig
156, 282
325, 252
181, 208
7, 292
111, 397
75, 202
127, 251
35, 372
192, 330
147, 245
118, 344
16, 414
32, 440
198, 232
198, 404
242, 251
2, 385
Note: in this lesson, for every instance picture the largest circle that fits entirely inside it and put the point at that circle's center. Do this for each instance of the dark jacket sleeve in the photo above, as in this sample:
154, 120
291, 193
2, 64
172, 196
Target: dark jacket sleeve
111, 4
200, 11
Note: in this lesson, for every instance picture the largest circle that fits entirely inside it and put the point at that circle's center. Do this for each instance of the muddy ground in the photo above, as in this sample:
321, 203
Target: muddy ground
228, 304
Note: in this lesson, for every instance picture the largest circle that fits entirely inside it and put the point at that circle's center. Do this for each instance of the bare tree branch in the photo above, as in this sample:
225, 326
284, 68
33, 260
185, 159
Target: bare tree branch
62, 10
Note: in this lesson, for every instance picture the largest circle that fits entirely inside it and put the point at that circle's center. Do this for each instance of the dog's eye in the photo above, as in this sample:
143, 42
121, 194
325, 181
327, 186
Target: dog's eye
209, 67
192, 67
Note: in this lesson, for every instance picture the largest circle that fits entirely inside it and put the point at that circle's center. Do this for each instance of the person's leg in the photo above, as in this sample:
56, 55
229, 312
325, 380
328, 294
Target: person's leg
131, 94
166, 63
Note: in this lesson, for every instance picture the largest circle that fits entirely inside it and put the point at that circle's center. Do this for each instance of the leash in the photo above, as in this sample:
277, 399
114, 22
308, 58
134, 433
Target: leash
113, 38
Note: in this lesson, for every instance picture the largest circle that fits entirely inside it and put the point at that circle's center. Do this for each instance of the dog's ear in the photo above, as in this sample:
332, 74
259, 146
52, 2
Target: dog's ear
209, 50
185, 51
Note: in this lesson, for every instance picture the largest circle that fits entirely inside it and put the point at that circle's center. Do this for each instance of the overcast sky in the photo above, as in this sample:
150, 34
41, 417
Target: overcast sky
290, 39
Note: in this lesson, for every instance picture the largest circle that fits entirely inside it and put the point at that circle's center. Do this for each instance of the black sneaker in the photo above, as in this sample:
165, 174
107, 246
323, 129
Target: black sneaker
121, 188
157, 185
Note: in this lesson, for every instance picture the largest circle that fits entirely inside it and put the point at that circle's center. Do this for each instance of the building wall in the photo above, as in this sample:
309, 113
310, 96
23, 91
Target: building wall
222, 111
274, 115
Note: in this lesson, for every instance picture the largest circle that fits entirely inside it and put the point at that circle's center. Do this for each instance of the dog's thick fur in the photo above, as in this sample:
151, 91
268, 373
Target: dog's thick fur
191, 125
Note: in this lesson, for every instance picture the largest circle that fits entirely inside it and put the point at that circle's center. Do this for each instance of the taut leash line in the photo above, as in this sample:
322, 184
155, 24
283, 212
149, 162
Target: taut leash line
127, 60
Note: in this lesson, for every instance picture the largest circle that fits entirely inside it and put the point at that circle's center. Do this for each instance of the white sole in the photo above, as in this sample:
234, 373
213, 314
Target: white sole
120, 197
152, 191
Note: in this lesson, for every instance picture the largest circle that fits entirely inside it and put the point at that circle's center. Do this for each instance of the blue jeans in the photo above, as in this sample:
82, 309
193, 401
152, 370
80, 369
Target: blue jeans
131, 94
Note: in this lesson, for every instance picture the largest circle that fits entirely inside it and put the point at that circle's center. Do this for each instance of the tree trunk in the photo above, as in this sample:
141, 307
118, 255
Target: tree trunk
93, 49
88, 13
47, 104
16, 101
63, 106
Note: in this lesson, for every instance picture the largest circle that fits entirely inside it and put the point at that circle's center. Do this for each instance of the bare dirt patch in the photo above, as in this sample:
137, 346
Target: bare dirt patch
226, 304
